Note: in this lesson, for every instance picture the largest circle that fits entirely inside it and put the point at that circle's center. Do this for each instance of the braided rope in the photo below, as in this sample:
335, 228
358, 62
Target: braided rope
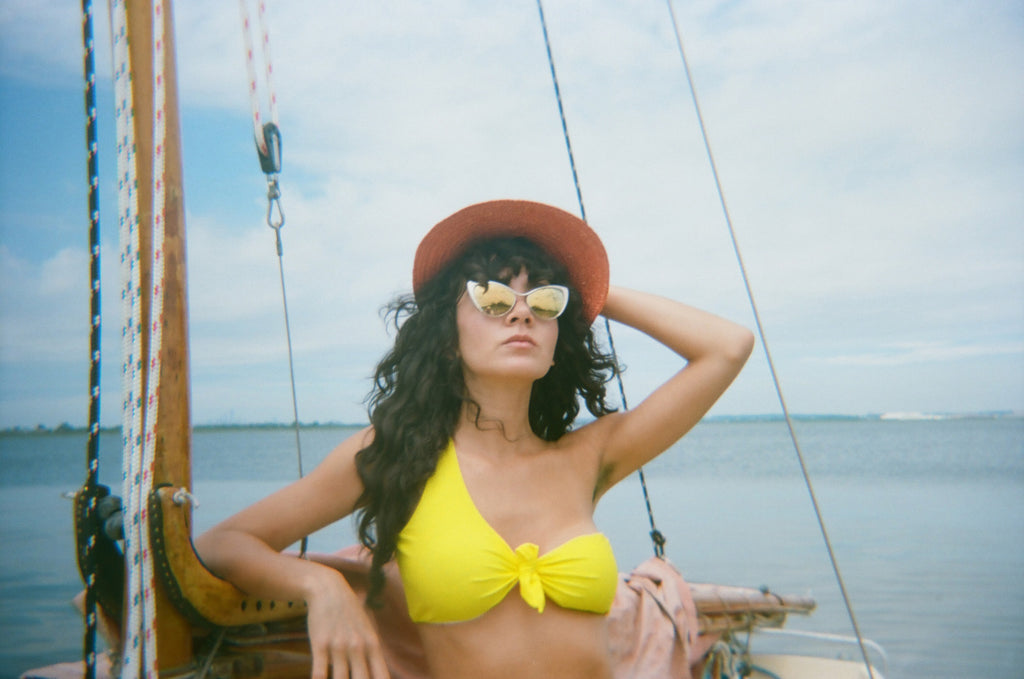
131, 335
139, 649
268, 69
92, 447
155, 333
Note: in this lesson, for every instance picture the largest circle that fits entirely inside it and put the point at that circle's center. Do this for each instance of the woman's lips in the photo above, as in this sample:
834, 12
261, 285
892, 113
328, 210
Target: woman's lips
520, 340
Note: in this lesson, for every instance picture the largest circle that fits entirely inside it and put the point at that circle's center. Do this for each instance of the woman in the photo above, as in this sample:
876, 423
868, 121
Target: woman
471, 474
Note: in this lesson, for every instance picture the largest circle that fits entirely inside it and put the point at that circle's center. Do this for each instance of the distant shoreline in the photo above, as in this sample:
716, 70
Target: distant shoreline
66, 428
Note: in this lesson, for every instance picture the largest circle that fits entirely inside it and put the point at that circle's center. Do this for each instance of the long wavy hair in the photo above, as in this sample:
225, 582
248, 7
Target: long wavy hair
419, 392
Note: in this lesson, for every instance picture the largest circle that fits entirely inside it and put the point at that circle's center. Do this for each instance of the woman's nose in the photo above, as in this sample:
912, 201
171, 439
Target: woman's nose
520, 312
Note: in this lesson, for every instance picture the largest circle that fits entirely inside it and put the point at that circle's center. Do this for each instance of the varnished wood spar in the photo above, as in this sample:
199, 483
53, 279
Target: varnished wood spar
723, 608
187, 592
173, 426
205, 599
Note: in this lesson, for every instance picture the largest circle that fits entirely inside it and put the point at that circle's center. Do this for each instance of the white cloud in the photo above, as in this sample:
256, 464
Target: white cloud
870, 153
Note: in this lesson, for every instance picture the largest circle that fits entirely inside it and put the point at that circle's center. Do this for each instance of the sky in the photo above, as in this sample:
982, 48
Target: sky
871, 154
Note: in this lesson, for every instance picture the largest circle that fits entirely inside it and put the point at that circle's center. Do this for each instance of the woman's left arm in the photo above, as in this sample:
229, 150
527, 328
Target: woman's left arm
714, 349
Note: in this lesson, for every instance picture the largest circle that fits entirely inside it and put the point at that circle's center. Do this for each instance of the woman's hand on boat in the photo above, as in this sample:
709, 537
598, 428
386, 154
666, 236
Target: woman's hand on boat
342, 639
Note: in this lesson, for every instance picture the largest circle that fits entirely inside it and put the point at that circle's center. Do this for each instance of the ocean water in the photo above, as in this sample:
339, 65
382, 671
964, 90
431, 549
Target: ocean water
926, 519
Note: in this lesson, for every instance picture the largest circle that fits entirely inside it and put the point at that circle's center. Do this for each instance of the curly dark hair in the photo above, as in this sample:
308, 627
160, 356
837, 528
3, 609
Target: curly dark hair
419, 391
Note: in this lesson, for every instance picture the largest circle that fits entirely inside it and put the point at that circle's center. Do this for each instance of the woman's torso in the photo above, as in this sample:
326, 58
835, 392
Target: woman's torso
543, 495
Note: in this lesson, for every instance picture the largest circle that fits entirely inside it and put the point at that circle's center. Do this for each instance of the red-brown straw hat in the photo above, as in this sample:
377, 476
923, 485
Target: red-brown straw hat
564, 236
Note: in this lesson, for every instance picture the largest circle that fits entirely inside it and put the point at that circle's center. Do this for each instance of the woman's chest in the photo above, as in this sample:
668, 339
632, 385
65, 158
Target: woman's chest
544, 501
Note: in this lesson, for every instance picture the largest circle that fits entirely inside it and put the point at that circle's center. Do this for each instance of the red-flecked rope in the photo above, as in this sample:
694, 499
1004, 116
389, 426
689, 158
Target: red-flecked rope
268, 70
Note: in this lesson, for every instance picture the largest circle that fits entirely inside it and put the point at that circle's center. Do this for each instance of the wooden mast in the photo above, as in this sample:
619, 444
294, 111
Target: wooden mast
173, 427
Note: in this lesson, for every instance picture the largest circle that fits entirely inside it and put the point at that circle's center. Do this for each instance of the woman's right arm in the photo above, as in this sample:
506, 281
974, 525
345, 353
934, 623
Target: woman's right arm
245, 549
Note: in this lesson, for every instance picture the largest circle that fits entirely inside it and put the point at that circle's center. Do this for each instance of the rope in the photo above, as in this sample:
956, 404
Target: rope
268, 148
657, 538
764, 343
156, 311
131, 335
250, 62
139, 651
92, 447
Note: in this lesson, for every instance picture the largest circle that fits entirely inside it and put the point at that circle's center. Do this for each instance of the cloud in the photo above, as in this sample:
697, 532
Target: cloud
870, 153
44, 306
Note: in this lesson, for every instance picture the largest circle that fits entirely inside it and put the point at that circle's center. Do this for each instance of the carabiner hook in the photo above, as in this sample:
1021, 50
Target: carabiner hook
274, 200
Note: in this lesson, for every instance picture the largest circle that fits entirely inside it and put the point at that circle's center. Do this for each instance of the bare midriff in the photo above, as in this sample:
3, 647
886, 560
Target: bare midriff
513, 640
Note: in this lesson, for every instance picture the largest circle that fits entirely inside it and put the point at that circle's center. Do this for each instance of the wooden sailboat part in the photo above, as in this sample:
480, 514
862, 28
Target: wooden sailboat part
722, 608
201, 596
188, 593
173, 426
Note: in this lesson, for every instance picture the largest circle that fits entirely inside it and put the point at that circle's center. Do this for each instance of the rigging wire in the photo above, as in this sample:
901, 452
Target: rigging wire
657, 538
91, 489
268, 148
764, 343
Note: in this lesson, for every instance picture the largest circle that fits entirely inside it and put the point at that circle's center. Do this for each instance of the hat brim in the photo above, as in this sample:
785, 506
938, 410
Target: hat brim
564, 236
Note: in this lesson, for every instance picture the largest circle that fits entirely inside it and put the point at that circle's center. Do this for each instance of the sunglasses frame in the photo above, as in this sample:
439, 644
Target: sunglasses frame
472, 284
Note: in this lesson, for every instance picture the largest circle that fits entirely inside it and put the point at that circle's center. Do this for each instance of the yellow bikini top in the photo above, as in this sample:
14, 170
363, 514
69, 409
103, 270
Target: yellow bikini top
456, 567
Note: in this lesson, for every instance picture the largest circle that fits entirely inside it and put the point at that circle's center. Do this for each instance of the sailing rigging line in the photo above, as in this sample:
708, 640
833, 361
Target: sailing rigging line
657, 538
131, 332
268, 69
91, 488
156, 313
268, 148
139, 654
764, 343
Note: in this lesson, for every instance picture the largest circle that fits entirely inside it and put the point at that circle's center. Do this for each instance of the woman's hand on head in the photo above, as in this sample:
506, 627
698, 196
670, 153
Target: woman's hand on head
343, 641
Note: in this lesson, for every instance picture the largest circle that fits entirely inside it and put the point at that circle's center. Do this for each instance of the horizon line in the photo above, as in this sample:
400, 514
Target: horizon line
66, 427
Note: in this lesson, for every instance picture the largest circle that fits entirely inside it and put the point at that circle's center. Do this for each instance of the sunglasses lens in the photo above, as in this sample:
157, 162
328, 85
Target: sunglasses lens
493, 299
497, 299
547, 302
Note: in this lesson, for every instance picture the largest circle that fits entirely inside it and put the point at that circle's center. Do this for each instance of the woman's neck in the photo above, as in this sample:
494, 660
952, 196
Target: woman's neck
499, 408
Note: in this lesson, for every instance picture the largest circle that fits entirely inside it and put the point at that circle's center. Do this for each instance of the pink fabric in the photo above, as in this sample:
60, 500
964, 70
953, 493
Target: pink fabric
652, 624
653, 630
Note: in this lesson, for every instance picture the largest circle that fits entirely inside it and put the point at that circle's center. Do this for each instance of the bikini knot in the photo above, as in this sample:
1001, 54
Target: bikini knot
529, 580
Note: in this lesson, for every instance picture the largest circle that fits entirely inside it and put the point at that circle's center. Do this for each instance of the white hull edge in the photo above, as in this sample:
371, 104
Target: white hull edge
770, 666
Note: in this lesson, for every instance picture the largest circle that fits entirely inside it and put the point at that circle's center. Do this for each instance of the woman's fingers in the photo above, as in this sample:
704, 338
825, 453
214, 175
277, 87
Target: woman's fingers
366, 659
355, 658
320, 664
343, 640
378, 668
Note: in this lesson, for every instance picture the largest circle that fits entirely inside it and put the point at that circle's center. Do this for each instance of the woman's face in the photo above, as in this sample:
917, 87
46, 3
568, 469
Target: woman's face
516, 346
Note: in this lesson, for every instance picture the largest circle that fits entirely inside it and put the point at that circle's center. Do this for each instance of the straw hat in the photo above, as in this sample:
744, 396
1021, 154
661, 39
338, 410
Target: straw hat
562, 235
